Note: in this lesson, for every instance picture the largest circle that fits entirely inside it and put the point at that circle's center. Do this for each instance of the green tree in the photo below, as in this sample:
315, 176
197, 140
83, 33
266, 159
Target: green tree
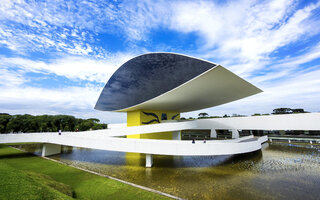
97, 126
282, 111
203, 115
298, 110
68, 123
23, 123
94, 120
256, 114
86, 125
4, 120
46, 123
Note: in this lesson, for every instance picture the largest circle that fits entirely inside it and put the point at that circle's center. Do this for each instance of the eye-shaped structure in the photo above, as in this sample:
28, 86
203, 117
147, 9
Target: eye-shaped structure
171, 82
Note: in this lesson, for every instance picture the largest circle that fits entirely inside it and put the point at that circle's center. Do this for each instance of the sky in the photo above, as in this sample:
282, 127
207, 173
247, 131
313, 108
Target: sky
57, 55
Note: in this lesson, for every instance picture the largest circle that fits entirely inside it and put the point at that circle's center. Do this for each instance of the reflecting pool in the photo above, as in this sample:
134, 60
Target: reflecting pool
279, 171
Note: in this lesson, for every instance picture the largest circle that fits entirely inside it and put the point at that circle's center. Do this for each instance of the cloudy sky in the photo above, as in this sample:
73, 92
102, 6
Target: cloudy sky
57, 55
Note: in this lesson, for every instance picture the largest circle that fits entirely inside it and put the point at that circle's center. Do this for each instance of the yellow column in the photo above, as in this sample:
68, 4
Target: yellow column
143, 117
134, 119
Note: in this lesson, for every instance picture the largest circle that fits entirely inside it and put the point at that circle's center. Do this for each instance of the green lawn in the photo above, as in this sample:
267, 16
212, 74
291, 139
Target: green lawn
25, 176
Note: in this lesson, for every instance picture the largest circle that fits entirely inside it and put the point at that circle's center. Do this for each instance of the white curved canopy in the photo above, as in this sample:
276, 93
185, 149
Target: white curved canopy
212, 88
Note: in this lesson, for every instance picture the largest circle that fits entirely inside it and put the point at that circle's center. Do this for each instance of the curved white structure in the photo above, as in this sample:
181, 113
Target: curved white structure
301, 121
171, 82
107, 139
212, 88
146, 146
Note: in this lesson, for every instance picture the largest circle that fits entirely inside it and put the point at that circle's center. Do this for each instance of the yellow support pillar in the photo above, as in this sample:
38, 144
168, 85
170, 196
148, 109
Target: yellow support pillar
143, 117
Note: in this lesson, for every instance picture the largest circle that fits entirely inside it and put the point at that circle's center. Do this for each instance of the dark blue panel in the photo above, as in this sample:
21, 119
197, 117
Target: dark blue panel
147, 76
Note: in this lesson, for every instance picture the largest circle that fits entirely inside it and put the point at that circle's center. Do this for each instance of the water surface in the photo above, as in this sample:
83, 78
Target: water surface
279, 171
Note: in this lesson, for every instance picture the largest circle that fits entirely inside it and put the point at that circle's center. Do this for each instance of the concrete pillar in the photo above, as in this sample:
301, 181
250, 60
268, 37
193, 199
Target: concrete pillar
213, 133
235, 134
149, 160
50, 149
176, 135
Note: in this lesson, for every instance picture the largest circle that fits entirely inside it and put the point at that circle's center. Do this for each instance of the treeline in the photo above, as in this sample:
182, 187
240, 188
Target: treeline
288, 111
46, 123
276, 111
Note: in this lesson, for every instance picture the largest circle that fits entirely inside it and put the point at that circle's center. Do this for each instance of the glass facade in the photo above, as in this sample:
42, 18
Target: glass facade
148, 76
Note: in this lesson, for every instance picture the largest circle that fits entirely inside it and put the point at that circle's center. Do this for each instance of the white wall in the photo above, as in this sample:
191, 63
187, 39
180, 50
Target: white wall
303, 121
147, 146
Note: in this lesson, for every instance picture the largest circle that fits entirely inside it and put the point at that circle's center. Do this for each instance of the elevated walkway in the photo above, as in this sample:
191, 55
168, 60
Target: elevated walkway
146, 146
108, 139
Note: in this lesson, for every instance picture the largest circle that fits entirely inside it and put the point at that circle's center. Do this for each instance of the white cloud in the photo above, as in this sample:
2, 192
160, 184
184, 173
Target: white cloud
242, 30
240, 34
77, 101
10, 78
289, 67
246, 32
75, 68
138, 18
60, 25
17, 97
72, 27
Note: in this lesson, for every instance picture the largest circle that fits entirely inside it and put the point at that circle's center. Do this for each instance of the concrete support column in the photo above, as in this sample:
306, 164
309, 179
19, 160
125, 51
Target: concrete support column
213, 133
176, 135
149, 160
50, 149
235, 134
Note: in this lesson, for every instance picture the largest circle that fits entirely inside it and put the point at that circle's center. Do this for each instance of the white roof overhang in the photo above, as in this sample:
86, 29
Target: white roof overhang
212, 88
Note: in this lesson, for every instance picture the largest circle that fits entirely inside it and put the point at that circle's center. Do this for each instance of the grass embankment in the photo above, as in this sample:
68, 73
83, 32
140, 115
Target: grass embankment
25, 176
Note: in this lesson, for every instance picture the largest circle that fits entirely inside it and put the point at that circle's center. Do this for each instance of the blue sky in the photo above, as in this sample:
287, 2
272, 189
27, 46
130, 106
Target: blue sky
56, 55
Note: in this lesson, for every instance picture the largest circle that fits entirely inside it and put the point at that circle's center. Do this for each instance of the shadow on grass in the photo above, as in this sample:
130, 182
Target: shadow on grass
16, 155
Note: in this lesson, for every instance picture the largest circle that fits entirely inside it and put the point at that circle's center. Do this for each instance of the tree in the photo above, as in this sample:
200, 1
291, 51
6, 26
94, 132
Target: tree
86, 125
46, 123
203, 115
97, 126
256, 114
4, 120
288, 111
94, 120
237, 115
282, 111
23, 123
298, 110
